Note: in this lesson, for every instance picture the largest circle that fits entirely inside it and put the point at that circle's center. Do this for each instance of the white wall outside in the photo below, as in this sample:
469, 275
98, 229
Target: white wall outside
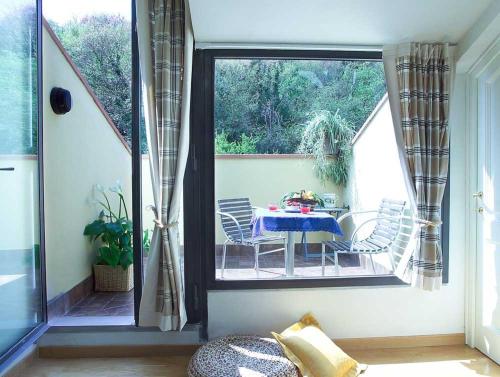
80, 150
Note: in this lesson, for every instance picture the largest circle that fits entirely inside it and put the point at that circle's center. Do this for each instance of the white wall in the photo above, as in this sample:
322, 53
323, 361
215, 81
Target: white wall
375, 174
364, 312
375, 169
80, 150
19, 203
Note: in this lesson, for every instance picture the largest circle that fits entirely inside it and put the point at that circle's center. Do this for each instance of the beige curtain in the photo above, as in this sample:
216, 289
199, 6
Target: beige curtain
165, 53
419, 81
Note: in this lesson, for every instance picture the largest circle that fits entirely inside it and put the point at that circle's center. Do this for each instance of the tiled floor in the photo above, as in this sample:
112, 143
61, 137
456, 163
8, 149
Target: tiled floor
104, 304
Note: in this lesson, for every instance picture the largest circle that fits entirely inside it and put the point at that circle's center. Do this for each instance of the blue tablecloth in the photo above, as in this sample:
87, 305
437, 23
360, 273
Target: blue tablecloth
281, 221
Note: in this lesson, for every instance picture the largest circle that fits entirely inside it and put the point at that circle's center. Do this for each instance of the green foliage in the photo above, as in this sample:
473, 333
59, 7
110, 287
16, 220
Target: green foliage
327, 137
246, 144
271, 100
113, 232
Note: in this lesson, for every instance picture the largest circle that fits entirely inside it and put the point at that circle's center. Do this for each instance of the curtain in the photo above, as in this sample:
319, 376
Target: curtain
419, 81
165, 53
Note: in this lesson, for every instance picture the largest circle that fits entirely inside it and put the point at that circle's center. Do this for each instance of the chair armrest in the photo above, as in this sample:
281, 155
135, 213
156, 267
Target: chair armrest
228, 215
369, 221
350, 214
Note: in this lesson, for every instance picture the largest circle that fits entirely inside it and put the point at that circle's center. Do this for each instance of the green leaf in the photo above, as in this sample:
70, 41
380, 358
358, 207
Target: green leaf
126, 258
125, 239
109, 255
95, 228
113, 228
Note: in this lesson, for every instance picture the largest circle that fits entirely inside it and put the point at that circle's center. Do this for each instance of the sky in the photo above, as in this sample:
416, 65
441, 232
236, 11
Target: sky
62, 11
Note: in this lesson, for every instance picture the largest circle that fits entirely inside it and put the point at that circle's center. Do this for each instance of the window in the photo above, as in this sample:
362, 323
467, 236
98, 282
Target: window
288, 130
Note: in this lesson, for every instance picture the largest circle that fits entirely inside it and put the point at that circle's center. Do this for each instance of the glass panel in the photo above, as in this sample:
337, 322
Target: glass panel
93, 161
20, 277
297, 145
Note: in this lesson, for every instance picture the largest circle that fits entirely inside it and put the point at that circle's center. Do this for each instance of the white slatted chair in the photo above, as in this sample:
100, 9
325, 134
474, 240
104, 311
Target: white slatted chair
236, 218
388, 221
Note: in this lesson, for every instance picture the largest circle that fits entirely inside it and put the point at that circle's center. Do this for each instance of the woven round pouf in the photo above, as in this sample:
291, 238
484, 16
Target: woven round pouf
245, 356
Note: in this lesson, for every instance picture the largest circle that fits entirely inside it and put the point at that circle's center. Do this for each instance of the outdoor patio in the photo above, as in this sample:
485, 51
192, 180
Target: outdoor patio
240, 264
263, 179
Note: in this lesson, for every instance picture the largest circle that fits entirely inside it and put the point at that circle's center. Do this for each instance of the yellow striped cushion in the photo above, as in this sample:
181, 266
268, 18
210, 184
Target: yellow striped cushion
314, 353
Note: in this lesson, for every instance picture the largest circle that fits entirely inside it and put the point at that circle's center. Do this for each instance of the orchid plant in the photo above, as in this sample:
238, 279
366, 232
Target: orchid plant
113, 230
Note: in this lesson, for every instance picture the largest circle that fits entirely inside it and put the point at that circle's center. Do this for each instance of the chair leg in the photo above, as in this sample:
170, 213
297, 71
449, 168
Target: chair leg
256, 248
323, 254
337, 267
285, 252
224, 249
373, 264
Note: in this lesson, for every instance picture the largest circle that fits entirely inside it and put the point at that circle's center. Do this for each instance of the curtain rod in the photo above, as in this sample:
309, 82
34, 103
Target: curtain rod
294, 46
286, 46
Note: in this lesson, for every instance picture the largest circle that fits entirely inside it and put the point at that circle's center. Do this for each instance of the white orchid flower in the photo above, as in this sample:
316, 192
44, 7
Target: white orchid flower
117, 188
99, 188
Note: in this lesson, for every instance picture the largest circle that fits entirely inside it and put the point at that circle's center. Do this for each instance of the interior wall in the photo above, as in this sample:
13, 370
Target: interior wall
80, 150
364, 311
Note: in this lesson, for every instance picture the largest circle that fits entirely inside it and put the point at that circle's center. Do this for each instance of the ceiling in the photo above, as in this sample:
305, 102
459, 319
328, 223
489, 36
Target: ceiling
354, 22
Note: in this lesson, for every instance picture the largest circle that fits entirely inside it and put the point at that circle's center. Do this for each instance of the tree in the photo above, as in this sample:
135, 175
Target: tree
271, 101
100, 46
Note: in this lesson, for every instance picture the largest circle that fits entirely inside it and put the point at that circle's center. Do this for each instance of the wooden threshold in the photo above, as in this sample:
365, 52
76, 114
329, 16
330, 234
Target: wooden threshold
401, 341
99, 351
24, 361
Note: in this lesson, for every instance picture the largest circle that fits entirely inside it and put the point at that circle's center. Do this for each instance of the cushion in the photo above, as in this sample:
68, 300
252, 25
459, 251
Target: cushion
245, 356
314, 353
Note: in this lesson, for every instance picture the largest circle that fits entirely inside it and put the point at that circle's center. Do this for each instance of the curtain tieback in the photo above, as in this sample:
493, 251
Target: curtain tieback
158, 222
160, 225
422, 222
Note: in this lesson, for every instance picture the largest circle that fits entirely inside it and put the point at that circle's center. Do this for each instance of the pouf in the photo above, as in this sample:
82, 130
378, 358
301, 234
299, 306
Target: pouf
245, 356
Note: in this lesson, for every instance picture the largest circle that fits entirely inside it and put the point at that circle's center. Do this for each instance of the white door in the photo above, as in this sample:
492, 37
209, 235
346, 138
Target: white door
487, 327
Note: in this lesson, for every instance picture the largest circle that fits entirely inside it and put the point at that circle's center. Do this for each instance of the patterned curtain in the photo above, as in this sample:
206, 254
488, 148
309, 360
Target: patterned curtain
424, 85
165, 51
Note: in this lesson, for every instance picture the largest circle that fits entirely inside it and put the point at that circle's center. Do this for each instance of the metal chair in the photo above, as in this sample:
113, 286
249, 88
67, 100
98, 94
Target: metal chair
236, 218
388, 221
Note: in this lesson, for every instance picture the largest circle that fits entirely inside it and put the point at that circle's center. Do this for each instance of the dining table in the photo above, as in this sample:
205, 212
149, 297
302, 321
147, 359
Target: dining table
292, 221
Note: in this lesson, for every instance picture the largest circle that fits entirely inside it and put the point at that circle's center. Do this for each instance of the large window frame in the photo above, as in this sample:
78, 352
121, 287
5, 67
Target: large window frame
200, 179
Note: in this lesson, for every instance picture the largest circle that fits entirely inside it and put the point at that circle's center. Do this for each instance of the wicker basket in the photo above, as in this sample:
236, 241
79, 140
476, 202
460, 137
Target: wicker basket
113, 279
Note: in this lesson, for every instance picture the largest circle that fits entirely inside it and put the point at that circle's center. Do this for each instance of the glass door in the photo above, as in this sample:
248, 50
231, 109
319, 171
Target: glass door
21, 292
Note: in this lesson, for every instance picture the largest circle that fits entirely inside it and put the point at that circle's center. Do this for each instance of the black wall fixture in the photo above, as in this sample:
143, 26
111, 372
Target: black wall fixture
60, 100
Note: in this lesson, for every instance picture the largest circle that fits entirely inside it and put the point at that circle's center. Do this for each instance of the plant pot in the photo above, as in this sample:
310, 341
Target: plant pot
113, 279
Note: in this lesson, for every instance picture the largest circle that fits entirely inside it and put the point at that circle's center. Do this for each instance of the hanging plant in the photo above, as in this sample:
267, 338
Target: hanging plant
328, 137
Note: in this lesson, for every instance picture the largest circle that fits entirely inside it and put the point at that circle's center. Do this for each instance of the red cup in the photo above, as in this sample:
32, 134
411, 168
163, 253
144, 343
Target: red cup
272, 207
305, 210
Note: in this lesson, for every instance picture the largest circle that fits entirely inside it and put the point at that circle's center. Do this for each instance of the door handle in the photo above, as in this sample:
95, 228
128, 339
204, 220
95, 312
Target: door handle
7, 169
478, 194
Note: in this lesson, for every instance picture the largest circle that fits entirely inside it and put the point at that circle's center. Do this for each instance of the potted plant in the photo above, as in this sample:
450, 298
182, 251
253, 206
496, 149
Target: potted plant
327, 137
113, 270
301, 198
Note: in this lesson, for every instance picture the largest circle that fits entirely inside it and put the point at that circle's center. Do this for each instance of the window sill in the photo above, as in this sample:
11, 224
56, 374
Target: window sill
364, 281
